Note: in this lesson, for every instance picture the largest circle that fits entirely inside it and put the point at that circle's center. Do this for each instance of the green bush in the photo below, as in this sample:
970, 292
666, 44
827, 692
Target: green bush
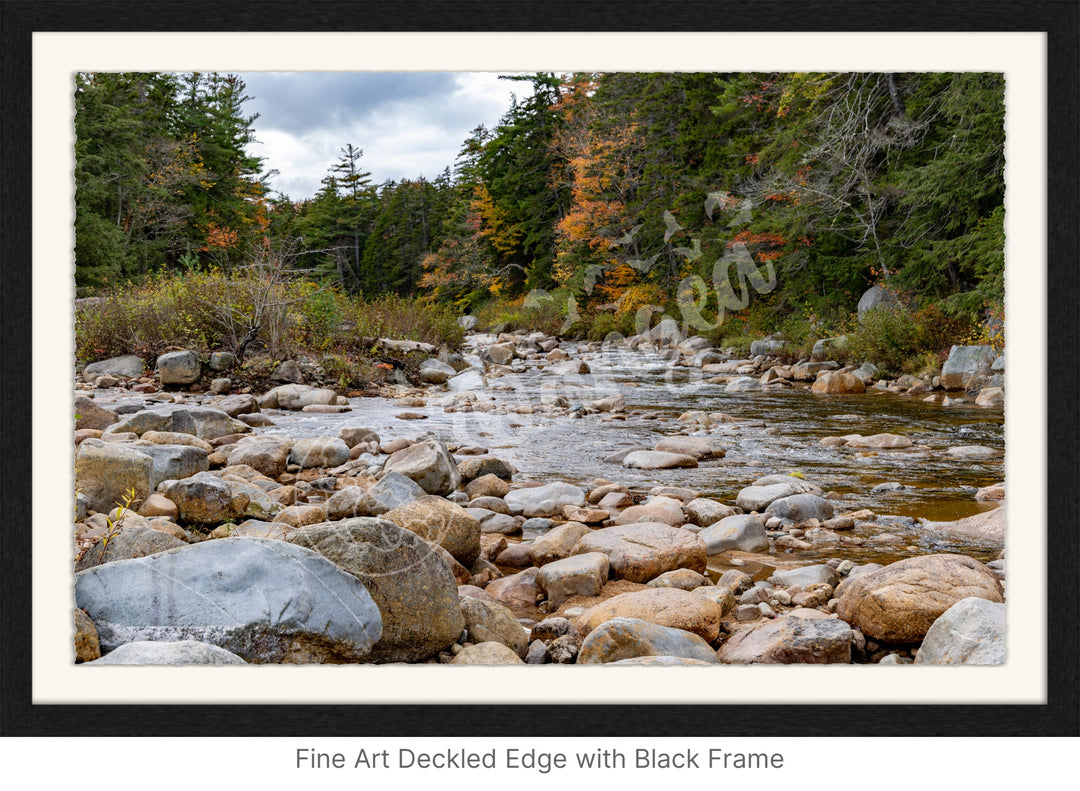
899, 340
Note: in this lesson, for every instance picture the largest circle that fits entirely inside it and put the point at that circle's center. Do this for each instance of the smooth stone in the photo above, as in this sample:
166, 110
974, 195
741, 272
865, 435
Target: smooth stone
800, 507
181, 652
319, 452
429, 464
657, 460
790, 640
127, 366
443, 522
126, 542
518, 591
640, 552
698, 447
631, 638
900, 602
578, 575
178, 368
971, 632
670, 607
744, 532
487, 653
267, 601
545, 500
490, 621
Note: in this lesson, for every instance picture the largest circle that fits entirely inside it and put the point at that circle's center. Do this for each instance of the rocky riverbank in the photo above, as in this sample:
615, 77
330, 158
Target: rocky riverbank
206, 533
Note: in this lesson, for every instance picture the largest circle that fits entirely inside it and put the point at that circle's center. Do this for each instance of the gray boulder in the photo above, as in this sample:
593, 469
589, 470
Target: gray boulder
580, 575
395, 490
127, 367
126, 542
465, 382
435, 371
765, 347
178, 368
790, 640
90, 415
800, 507
971, 632
427, 463
966, 362
879, 297
743, 532
545, 500
204, 499
264, 600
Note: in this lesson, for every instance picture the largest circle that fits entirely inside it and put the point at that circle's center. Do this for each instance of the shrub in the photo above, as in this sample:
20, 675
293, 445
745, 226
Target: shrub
899, 340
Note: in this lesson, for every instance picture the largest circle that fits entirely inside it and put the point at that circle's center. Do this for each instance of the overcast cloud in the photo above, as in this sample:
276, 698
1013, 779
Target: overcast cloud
407, 123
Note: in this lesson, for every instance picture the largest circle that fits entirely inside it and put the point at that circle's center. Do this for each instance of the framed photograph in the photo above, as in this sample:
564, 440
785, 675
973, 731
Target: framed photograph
681, 276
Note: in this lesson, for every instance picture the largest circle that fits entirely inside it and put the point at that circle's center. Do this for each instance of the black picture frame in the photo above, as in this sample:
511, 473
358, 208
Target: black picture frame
1058, 19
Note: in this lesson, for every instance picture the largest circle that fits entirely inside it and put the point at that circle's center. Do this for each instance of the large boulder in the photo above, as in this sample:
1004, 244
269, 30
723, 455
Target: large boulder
203, 422
765, 491
631, 638
412, 586
127, 367
90, 415
704, 512
267, 453
171, 462
205, 499
178, 368
790, 640
800, 507
899, 603
429, 464
264, 600
107, 473
744, 532
466, 381
435, 371
971, 632
838, 383
640, 552
579, 575
489, 621
966, 362
879, 297
544, 500
354, 501
442, 522
319, 452
395, 490
670, 607
477, 467
667, 510
180, 652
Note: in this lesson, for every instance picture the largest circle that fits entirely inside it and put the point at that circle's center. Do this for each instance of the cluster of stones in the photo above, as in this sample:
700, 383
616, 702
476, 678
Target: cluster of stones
237, 547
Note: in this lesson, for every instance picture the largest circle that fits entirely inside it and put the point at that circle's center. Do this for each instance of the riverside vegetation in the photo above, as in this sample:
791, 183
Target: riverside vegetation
306, 453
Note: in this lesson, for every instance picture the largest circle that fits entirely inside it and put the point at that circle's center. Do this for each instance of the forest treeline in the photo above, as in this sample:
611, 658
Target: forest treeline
608, 192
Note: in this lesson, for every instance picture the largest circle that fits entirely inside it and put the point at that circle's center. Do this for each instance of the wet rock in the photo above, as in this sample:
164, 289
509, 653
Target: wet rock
743, 384
410, 584
640, 552
758, 498
991, 396
657, 460
297, 396
579, 575
992, 493
267, 601
670, 607
987, 528
429, 464
971, 632
899, 603
443, 522
615, 403
354, 435
630, 638
837, 383
544, 500
181, 652
697, 447
743, 532
973, 452
800, 507
790, 640
879, 442
468, 381
489, 621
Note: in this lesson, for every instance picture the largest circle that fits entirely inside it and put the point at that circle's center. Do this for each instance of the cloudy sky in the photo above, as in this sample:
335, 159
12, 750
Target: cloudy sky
407, 123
